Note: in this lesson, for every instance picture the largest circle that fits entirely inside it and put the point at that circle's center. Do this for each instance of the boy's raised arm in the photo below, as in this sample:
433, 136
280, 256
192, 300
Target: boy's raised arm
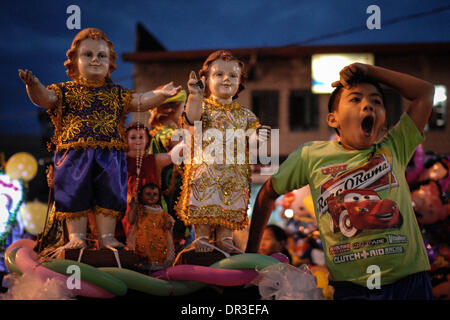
418, 91
264, 205
37, 93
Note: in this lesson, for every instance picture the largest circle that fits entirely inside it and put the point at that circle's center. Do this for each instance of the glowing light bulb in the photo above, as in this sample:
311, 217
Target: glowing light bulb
440, 94
288, 213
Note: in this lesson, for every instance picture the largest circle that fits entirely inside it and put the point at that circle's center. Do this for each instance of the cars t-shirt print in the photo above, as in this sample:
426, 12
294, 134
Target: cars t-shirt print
352, 200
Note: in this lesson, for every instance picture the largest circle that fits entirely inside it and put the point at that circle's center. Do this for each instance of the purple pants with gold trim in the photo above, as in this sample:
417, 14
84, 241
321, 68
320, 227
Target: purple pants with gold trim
90, 178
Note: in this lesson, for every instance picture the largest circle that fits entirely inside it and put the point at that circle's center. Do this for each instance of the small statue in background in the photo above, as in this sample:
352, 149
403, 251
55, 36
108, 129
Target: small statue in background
151, 227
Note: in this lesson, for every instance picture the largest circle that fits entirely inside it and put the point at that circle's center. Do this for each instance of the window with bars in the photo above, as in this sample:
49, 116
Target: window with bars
265, 106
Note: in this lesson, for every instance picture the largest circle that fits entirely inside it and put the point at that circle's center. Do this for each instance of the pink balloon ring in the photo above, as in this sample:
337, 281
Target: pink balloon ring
24, 243
214, 276
219, 277
280, 257
26, 262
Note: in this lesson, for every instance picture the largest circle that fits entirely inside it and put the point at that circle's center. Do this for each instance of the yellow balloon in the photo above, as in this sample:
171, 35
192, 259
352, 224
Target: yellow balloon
309, 204
33, 215
21, 165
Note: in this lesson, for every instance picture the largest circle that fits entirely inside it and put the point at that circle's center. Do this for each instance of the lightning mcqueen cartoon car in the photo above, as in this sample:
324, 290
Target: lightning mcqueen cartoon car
360, 209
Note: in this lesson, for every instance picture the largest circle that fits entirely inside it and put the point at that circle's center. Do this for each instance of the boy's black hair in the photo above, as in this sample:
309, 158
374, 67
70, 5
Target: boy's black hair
279, 233
280, 236
357, 78
150, 185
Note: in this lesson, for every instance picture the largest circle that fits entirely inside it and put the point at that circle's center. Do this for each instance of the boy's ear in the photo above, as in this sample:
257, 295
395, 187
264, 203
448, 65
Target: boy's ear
332, 121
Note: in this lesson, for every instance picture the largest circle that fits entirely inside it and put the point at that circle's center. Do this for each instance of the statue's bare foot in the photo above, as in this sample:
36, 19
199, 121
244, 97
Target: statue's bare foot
200, 245
225, 240
76, 241
202, 232
226, 244
108, 240
76, 227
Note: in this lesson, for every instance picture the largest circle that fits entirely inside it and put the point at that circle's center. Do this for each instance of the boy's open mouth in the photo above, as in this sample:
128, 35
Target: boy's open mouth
367, 125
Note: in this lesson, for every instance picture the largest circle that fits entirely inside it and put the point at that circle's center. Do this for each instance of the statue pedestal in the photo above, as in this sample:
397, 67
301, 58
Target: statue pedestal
201, 258
103, 257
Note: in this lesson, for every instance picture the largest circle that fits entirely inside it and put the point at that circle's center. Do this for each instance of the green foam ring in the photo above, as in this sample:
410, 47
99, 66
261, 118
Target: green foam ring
11, 261
90, 274
245, 261
158, 287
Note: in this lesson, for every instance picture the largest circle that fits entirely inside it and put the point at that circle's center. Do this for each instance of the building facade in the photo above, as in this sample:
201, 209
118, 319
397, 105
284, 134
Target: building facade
279, 86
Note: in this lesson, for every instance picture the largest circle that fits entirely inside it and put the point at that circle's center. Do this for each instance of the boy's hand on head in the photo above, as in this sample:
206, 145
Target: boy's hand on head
28, 78
195, 86
348, 72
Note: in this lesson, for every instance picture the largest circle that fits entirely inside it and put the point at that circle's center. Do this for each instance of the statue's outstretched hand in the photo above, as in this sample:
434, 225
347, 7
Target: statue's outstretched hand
27, 77
195, 86
169, 90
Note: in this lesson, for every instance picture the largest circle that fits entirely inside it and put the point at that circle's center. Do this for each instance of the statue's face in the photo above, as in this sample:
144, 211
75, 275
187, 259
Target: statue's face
150, 196
93, 59
223, 79
137, 140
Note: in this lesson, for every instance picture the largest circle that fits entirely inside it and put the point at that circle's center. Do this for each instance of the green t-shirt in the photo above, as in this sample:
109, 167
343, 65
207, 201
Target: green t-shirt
362, 203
